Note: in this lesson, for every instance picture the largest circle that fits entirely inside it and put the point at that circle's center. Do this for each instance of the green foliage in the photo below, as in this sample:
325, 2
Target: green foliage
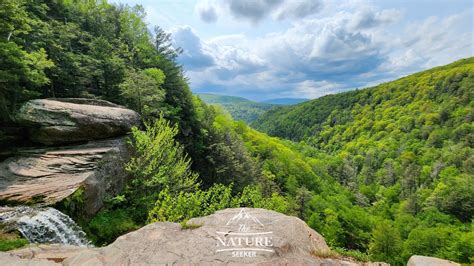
400, 152
440, 241
239, 108
189, 226
159, 161
454, 194
107, 225
73, 205
386, 243
186, 205
360, 256
91, 49
9, 241
142, 91
222, 156
404, 151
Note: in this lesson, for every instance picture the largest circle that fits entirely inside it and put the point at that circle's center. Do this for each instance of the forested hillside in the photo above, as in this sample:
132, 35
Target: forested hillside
403, 148
239, 108
94, 49
382, 173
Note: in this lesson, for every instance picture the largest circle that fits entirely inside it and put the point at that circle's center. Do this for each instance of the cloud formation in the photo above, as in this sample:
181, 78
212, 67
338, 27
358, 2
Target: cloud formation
255, 11
298, 9
194, 56
369, 18
207, 12
346, 49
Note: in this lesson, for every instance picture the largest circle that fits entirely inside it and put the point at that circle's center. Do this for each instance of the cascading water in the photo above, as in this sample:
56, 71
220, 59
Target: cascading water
44, 225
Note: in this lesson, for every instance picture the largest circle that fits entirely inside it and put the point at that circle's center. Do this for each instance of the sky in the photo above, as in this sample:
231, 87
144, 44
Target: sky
264, 49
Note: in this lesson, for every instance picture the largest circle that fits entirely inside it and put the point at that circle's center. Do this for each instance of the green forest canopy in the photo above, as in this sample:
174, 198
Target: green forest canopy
239, 108
385, 172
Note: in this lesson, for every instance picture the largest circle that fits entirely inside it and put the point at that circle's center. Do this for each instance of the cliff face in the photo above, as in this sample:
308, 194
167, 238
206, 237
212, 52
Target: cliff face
47, 176
50, 175
230, 236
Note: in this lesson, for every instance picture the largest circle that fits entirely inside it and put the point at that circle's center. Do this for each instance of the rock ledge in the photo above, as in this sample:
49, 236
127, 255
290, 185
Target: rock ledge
61, 121
275, 239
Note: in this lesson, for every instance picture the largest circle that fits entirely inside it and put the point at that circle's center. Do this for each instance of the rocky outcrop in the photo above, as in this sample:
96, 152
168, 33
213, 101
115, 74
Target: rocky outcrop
231, 236
12, 260
61, 121
47, 176
429, 261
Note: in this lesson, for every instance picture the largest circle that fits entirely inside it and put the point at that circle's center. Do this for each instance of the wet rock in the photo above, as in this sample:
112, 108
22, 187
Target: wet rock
42, 225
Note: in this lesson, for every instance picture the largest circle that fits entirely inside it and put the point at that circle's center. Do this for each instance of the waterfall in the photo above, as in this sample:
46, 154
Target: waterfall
44, 225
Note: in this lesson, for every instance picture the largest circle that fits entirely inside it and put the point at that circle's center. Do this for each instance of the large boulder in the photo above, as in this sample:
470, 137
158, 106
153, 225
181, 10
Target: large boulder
231, 236
60, 121
416, 260
48, 176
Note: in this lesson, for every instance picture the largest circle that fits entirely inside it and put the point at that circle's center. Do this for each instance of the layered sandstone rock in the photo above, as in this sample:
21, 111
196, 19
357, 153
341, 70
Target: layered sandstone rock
61, 121
45, 177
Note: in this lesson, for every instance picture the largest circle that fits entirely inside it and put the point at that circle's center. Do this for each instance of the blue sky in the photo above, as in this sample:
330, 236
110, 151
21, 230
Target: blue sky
262, 49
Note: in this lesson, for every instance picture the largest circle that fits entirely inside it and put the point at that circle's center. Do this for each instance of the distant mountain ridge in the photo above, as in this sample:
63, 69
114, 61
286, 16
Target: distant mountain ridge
286, 101
244, 109
334, 112
238, 107
217, 98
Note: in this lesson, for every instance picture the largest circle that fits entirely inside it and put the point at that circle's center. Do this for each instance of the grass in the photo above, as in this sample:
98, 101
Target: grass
189, 226
341, 253
9, 241
325, 254
356, 254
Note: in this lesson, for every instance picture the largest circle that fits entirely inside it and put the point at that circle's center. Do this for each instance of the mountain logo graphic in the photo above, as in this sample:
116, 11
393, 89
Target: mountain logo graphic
244, 237
244, 218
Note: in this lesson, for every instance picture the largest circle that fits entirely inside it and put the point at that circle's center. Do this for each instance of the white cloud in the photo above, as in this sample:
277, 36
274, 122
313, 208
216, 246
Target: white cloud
325, 54
315, 89
431, 42
195, 55
368, 18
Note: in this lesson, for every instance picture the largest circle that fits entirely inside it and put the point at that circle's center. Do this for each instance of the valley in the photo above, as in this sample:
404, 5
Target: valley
104, 146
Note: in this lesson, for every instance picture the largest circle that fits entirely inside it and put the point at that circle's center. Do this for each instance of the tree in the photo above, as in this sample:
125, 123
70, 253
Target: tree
455, 194
142, 91
163, 44
386, 244
22, 71
158, 163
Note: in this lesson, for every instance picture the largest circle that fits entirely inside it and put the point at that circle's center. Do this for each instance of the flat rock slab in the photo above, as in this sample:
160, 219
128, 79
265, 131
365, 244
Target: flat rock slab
13, 260
61, 121
231, 237
47, 176
429, 261
53, 252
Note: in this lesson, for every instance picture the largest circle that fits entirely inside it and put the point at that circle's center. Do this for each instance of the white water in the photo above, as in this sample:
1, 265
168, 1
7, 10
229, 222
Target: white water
45, 225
